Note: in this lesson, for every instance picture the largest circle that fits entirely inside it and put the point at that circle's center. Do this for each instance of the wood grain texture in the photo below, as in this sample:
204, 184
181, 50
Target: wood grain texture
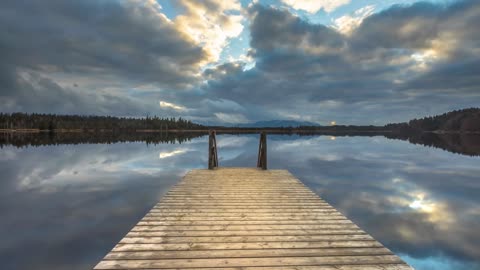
249, 219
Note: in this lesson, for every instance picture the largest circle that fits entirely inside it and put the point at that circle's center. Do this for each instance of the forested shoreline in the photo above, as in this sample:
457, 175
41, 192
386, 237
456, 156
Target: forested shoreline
52, 122
465, 121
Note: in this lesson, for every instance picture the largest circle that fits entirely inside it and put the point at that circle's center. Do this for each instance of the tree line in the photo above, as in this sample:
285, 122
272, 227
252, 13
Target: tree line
69, 122
465, 120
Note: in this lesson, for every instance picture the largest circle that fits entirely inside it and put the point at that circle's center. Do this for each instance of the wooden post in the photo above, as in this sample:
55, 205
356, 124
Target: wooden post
212, 150
262, 152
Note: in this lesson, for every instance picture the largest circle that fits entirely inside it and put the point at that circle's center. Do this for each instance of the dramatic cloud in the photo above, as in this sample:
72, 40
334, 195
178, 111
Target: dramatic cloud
218, 61
374, 65
101, 40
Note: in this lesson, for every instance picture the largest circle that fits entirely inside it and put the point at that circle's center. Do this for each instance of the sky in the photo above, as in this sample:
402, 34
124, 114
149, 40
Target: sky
231, 62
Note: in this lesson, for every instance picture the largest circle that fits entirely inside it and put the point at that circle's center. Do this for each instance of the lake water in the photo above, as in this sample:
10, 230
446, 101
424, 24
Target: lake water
66, 206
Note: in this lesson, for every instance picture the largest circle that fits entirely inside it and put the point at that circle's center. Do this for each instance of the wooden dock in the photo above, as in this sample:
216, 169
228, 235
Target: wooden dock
249, 219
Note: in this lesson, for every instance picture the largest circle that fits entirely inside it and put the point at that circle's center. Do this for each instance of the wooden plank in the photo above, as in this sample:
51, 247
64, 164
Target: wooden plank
251, 189
213, 204
241, 196
243, 233
252, 192
389, 266
240, 201
217, 206
248, 253
244, 187
244, 239
161, 222
242, 227
239, 210
226, 188
234, 200
245, 262
247, 219
244, 214
334, 216
242, 246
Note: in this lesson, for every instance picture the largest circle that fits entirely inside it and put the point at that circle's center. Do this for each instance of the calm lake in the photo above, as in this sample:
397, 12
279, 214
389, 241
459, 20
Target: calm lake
66, 206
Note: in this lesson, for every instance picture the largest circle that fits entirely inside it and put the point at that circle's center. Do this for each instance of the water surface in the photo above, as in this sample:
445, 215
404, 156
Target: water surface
66, 206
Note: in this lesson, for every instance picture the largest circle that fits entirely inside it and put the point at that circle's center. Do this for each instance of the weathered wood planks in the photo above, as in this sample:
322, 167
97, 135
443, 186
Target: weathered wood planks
250, 219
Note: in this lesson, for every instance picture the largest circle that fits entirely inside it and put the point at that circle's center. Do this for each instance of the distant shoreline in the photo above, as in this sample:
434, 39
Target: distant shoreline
465, 121
227, 130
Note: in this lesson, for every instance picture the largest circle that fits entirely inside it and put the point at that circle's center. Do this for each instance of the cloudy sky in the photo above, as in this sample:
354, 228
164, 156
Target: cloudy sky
236, 61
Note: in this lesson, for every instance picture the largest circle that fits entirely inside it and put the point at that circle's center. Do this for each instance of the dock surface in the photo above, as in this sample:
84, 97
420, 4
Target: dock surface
249, 219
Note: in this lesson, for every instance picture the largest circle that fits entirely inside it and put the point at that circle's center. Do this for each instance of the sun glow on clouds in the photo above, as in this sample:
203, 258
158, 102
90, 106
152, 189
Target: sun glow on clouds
424, 59
422, 205
313, 6
210, 25
164, 104
419, 201
437, 212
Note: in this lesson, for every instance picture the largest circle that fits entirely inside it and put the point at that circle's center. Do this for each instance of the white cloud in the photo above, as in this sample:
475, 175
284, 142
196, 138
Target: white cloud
346, 24
151, 5
164, 104
313, 6
210, 25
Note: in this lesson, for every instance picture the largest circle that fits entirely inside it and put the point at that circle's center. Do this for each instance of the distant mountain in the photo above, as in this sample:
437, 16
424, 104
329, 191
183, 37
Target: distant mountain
277, 123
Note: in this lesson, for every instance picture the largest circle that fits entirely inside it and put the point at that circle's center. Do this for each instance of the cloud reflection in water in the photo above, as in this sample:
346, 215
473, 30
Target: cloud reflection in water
67, 206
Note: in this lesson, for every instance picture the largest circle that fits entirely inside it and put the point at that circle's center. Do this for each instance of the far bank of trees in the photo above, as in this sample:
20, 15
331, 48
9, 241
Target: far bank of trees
53, 122
465, 120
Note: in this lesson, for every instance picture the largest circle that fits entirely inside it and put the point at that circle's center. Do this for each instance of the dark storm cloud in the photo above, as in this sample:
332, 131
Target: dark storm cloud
128, 41
451, 30
400, 27
32, 92
457, 76
124, 37
274, 29
395, 60
94, 56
